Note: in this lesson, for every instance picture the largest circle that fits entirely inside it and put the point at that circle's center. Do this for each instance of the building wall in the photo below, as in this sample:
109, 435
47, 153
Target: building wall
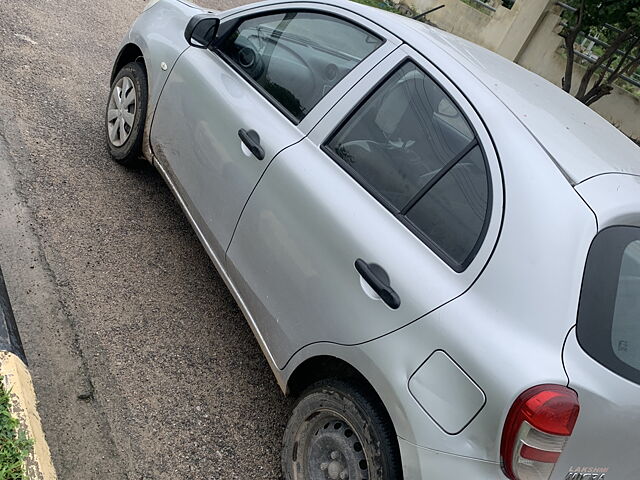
542, 55
528, 35
486, 29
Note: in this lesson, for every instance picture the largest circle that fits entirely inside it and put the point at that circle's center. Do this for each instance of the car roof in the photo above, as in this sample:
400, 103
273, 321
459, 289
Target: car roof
579, 141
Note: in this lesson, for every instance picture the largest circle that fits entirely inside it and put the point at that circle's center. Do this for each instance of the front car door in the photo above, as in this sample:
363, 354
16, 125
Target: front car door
387, 210
225, 112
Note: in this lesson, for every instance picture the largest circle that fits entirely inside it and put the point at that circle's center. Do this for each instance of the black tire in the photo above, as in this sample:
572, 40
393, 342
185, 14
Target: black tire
334, 426
129, 153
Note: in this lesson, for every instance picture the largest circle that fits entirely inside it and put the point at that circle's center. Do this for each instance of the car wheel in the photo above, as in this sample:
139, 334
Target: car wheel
337, 431
126, 114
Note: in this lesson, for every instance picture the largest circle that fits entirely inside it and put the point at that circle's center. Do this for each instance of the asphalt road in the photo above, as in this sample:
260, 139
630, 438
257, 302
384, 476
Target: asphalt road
143, 364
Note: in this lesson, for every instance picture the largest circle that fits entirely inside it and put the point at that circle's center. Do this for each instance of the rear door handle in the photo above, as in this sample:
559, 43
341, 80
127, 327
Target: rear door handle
378, 280
251, 140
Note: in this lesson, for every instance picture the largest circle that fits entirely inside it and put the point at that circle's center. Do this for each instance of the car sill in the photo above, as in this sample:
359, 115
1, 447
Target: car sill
223, 273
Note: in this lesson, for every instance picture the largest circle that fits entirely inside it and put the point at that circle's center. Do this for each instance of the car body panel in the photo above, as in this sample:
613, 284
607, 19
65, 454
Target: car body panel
419, 463
202, 151
507, 329
606, 438
220, 267
614, 198
159, 34
446, 393
313, 221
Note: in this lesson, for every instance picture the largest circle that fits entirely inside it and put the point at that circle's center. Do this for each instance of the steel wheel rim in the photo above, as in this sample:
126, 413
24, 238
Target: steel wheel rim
121, 112
332, 449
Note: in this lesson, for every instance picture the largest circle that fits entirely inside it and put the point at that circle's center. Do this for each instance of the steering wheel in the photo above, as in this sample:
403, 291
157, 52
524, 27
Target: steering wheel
248, 57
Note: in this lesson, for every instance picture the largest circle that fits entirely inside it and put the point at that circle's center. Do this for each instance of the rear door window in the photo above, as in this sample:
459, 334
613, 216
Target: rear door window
295, 58
452, 213
412, 148
609, 313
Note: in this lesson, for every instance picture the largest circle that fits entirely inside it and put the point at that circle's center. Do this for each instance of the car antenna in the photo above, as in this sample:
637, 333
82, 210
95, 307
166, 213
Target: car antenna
424, 14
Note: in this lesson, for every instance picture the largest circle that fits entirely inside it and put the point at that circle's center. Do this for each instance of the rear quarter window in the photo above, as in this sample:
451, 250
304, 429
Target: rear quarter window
609, 312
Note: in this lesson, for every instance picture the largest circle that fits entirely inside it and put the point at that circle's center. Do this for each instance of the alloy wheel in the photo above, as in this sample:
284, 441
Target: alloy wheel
121, 112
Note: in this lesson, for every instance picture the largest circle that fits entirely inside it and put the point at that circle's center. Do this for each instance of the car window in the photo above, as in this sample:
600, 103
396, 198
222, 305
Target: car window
451, 214
625, 327
609, 313
402, 135
296, 58
410, 146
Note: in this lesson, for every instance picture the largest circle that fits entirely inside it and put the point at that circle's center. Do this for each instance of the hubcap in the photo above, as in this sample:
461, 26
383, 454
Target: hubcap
121, 111
333, 451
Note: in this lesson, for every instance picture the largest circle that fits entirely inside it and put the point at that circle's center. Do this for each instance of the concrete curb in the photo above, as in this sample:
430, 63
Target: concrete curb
16, 378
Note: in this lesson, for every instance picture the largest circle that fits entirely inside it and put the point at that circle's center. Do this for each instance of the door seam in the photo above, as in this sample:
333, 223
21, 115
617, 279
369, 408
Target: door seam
304, 136
233, 234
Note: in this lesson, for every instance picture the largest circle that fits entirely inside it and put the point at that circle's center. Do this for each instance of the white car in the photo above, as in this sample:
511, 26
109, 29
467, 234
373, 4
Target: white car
437, 250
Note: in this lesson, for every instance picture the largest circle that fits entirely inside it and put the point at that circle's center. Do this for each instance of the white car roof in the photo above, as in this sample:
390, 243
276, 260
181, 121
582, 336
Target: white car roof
580, 141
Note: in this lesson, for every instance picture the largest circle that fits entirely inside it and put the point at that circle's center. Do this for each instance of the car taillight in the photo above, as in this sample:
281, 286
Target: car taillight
536, 430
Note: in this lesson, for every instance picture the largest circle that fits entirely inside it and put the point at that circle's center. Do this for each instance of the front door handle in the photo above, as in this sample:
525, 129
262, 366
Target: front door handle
251, 140
378, 280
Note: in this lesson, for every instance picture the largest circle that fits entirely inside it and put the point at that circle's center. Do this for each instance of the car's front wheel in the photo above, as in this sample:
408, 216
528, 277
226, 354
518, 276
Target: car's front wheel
126, 114
338, 431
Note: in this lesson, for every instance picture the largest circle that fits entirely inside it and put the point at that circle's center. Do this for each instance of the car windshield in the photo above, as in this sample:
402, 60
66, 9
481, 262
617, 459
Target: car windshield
609, 314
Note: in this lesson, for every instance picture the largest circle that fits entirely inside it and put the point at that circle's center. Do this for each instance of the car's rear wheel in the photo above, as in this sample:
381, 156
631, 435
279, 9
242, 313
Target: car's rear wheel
126, 114
338, 431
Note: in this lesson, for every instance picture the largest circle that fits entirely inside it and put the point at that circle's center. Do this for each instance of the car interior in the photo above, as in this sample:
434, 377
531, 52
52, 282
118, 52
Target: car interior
399, 139
289, 64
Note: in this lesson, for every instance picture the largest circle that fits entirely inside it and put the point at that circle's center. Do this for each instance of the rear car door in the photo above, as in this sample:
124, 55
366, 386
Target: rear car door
387, 210
602, 359
225, 112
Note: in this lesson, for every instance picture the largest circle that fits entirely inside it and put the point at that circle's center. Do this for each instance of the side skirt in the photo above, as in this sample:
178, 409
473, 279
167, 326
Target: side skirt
223, 273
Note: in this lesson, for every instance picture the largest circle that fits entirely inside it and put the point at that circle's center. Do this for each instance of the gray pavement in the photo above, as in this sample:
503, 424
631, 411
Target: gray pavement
143, 364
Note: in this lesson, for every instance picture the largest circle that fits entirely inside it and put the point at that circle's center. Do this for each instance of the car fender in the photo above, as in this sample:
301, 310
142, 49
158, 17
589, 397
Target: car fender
389, 362
159, 34
360, 358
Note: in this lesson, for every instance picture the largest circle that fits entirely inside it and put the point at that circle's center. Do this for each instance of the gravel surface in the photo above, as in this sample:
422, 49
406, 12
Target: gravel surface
144, 365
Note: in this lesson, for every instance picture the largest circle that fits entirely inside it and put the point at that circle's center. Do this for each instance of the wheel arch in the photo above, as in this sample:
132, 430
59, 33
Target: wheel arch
321, 367
383, 371
128, 53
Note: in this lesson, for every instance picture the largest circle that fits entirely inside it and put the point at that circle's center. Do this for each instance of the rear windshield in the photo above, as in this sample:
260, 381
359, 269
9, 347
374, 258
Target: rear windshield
609, 312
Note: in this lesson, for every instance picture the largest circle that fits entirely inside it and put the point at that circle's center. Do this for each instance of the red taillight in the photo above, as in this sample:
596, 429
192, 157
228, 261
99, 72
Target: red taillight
535, 431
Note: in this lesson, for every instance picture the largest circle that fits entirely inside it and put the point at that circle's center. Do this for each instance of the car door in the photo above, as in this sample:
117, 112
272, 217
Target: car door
225, 112
387, 210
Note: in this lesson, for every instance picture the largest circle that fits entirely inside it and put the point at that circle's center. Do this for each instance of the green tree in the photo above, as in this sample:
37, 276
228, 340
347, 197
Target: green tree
622, 57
